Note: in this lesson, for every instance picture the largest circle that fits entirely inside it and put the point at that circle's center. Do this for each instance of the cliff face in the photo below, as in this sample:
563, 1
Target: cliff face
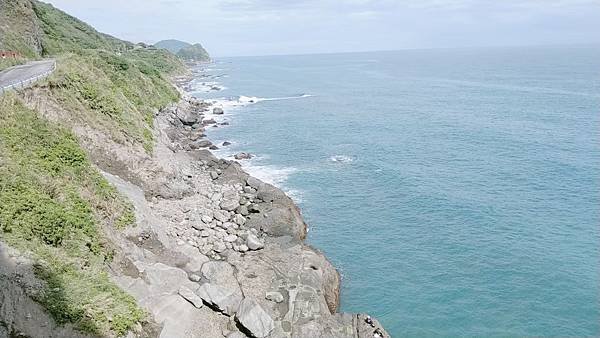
19, 28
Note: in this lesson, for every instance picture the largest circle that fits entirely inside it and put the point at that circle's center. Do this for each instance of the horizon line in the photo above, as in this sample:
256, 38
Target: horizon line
586, 44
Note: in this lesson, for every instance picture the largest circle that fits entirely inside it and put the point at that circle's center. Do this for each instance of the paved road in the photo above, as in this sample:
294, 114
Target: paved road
28, 71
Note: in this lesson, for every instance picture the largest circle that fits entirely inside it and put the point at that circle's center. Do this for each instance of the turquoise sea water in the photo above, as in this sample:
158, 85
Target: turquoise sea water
457, 191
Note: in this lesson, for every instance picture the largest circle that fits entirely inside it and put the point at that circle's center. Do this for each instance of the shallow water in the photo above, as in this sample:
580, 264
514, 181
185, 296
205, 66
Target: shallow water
458, 191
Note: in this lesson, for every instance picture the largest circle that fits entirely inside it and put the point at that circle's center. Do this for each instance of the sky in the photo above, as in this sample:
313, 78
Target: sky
268, 27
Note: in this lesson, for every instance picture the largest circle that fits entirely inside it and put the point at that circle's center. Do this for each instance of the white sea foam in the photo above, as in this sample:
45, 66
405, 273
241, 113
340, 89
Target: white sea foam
206, 86
341, 159
274, 175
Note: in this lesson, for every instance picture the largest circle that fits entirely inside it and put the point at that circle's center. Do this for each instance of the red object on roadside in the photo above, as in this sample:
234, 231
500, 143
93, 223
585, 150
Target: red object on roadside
9, 54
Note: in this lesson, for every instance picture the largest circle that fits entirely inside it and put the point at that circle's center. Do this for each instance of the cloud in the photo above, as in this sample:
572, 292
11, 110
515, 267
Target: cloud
243, 27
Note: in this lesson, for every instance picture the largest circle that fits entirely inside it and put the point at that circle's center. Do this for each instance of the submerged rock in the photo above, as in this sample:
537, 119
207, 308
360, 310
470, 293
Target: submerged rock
242, 156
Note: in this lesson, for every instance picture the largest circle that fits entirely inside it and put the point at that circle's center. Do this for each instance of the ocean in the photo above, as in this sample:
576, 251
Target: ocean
456, 190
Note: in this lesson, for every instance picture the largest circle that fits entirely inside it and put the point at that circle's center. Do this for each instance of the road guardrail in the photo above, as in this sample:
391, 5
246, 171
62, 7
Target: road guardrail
26, 83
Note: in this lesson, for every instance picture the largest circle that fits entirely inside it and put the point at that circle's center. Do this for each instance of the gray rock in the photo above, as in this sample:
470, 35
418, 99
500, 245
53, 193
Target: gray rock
253, 242
242, 156
252, 317
186, 117
190, 296
218, 111
229, 205
239, 219
209, 121
214, 175
249, 190
230, 238
219, 246
253, 182
236, 334
274, 296
226, 143
222, 216
200, 144
242, 210
222, 299
206, 219
194, 278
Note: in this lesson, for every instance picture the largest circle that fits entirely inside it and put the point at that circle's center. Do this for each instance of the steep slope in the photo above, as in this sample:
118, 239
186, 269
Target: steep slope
64, 33
172, 45
56, 211
19, 31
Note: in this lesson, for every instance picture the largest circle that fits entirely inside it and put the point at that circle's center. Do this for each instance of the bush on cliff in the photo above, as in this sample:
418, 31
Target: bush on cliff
54, 205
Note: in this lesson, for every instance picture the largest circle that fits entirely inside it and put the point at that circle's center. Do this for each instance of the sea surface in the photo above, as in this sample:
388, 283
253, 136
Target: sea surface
456, 190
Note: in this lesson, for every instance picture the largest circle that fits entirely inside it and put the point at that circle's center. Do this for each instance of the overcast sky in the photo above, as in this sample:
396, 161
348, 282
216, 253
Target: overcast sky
263, 27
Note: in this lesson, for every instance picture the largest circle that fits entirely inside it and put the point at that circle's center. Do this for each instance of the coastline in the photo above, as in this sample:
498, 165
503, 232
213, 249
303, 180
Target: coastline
214, 252
311, 312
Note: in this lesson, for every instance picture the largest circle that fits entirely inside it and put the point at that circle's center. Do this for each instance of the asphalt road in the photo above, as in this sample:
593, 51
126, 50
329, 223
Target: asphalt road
24, 72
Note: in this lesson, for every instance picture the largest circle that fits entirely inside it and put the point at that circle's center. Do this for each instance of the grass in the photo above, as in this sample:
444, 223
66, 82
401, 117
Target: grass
118, 94
64, 33
9, 62
54, 205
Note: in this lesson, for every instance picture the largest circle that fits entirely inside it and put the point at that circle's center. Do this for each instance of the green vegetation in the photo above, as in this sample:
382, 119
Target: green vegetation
171, 45
116, 93
64, 33
184, 50
193, 53
18, 30
54, 205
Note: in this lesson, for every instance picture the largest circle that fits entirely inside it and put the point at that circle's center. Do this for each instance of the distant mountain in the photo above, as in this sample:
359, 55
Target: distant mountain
172, 45
194, 53
184, 50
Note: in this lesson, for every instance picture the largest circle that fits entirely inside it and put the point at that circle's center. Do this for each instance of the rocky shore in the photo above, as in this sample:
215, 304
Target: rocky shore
215, 252
219, 253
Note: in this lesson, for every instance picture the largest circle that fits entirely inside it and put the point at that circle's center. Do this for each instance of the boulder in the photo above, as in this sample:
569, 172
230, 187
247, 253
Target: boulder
242, 156
190, 296
253, 182
239, 219
208, 121
200, 144
243, 211
229, 205
218, 111
253, 242
226, 143
220, 298
254, 319
221, 216
187, 118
